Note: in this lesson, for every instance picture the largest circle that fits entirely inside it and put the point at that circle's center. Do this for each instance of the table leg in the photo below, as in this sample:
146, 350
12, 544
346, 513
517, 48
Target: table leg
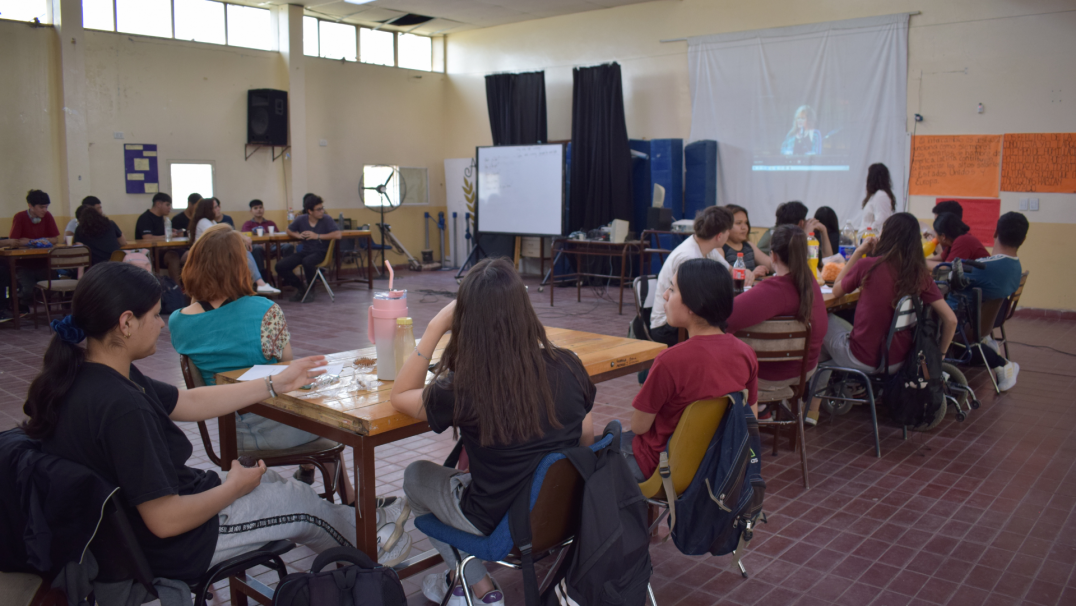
552, 272
623, 263
229, 447
14, 294
578, 279
370, 261
366, 505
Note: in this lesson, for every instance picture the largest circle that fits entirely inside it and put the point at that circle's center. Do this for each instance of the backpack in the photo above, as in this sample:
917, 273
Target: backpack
718, 512
365, 583
172, 297
608, 562
914, 393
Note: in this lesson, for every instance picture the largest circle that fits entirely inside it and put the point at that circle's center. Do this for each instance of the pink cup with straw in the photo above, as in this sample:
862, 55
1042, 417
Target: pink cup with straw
381, 326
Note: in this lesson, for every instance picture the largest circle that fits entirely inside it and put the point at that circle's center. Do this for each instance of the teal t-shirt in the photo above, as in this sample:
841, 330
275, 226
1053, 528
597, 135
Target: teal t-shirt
222, 339
998, 280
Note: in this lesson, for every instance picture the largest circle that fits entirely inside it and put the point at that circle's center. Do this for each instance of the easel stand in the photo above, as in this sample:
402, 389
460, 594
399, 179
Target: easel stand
476, 255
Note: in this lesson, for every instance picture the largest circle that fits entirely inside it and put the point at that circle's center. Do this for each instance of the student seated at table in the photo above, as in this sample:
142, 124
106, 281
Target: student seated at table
999, 280
90, 404
884, 269
945, 206
99, 233
795, 213
315, 229
205, 218
827, 217
150, 227
87, 201
880, 203
226, 327
792, 291
756, 261
512, 395
710, 364
957, 239
712, 228
36, 223
182, 220
257, 212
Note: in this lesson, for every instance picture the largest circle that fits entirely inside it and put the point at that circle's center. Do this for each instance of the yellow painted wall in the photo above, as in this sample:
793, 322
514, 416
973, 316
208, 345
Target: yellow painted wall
1009, 56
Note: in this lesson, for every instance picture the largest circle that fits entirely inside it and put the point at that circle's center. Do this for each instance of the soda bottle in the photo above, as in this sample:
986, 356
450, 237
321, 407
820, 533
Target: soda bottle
812, 253
167, 229
866, 235
848, 241
739, 273
291, 215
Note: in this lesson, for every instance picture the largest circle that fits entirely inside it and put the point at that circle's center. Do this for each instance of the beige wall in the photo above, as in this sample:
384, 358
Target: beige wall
1014, 54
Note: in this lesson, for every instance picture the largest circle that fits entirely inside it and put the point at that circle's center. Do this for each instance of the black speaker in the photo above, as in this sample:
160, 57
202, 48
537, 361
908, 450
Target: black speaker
267, 116
659, 218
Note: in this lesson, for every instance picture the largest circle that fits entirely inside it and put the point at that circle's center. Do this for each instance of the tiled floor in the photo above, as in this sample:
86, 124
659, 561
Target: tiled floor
978, 512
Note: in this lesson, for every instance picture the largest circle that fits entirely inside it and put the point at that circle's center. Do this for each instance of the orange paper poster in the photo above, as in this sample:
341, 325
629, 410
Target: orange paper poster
1039, 162
955, 165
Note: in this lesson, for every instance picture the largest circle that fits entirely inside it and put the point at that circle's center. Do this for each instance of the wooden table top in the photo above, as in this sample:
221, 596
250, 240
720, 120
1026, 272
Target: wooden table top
847, 299
173, 243
369, 412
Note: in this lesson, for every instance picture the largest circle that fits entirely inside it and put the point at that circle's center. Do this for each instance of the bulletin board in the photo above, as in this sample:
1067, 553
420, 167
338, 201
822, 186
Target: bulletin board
1039, 162
955, 165
981, 215
140, 168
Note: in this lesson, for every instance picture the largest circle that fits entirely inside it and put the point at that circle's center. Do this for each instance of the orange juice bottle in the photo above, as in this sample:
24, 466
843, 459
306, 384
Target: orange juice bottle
812, 253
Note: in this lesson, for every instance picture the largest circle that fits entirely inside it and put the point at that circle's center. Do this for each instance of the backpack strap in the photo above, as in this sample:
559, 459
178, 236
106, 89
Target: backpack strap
454, 456
670, 491
342, 554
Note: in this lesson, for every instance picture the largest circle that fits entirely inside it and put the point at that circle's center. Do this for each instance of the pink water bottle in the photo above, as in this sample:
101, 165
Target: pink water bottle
388, 305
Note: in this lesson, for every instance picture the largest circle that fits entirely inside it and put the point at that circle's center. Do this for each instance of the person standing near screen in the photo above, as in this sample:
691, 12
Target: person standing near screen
880, 203
803, 139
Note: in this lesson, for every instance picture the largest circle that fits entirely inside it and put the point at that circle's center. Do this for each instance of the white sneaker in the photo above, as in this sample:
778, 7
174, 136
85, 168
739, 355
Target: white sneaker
436, 585
393, 544
992, 344
1006, 376
395, 512
265, 289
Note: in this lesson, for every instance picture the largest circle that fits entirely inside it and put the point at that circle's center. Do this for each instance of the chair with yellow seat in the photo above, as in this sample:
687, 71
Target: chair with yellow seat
319, 274
682, 457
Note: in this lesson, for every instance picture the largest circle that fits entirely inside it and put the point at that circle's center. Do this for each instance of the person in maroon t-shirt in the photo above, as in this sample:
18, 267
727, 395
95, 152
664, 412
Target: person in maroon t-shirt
884, 270
37, 222
710, 364
954, 235
792, 291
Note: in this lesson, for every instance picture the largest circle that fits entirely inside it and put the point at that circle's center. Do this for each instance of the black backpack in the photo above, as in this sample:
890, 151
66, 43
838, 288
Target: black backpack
608, 563
718, 512
914, 393
172, 298
365, 583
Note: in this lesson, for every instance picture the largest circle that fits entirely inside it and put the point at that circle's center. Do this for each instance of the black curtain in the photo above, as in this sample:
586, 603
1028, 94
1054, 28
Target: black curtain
601, 158
516, 104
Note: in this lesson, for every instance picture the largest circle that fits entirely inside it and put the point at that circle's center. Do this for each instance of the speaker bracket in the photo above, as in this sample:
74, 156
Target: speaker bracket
248, 153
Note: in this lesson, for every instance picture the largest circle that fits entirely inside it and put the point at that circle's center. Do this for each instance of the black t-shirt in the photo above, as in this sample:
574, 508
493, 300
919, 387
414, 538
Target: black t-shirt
149, 224
227, 219
101, 245
498, 473
120, 429
180, 221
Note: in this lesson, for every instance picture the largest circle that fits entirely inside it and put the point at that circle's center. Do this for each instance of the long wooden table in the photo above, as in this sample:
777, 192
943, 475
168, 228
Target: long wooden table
364, 420
14, 256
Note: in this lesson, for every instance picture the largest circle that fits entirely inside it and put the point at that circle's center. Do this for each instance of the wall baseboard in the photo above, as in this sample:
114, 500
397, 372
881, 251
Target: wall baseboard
1051, 314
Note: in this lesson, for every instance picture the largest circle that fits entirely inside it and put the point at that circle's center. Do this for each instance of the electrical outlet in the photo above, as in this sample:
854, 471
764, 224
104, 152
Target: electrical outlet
1023, 203
1033, 204
117, 135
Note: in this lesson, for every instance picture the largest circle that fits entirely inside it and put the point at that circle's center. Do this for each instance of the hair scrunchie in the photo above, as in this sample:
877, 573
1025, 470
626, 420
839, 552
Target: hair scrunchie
68, 330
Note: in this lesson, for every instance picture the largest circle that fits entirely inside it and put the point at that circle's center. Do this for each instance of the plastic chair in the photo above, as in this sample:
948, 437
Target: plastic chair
556, 493
783, 339
319, 453
319, 270
687, 448
904, 318
1008, 308
60, 257
642, 289
118, 256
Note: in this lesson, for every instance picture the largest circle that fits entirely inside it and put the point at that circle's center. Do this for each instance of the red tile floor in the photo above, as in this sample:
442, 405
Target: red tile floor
978, 512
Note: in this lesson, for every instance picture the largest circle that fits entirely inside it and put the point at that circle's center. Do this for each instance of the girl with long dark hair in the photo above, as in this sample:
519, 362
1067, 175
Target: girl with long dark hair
827, 217
792, 291
880, 203
958, 241
99, 233
512, 395
885, 270
91, 404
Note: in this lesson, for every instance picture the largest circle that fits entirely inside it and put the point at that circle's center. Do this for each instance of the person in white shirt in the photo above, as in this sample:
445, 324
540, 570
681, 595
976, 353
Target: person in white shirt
73, 223
711, 232
880, 203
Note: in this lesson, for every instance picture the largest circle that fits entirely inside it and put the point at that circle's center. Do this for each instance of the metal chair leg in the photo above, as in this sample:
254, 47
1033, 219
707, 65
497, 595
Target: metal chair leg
989, 371
802, 446
324, 282
650, 590
463, 578
874, 419
1005, 342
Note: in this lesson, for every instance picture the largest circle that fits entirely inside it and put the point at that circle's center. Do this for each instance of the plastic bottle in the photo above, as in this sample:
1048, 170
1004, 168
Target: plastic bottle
291, 215
929, 246
167, 229
866, 235
848, 241
812, 253
739, 273
404, 343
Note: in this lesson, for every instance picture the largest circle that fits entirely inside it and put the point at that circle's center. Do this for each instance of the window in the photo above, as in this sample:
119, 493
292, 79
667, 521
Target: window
144, 17
24, 10
250, 27
374, 176
97, 14
377, 47
310, 37
199, 21
414, 189
416, 52
337, 41
188, 178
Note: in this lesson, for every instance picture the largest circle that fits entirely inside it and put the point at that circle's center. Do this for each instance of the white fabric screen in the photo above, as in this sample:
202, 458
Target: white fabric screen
799, 113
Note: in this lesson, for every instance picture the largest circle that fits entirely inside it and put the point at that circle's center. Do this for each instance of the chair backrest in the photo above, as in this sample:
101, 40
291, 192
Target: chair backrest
659, 195
1009, 307
688, 444
193, 378
118, 256
904, 318
328, 260
988, 315
778, 339
644, 297
117, 551
69, 257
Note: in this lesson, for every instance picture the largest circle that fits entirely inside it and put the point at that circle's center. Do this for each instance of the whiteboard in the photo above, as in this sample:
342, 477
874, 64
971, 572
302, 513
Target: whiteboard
521, 190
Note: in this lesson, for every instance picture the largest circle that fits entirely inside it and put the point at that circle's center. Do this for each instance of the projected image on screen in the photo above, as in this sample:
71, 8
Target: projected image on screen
791, 137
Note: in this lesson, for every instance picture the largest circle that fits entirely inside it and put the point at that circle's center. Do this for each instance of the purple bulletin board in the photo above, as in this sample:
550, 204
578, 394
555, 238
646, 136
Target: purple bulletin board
140, 168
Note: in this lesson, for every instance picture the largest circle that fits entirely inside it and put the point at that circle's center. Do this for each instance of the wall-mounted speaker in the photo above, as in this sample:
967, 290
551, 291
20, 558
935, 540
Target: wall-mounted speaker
267, 117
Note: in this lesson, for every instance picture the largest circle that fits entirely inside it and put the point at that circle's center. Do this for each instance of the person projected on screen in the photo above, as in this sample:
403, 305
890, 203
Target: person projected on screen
803, 139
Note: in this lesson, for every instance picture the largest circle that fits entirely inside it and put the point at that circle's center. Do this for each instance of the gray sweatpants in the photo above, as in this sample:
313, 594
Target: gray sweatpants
436, 489
282, 509
837, 351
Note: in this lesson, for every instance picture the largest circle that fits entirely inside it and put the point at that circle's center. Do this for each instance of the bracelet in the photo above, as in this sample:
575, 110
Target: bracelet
269, 384
422, 356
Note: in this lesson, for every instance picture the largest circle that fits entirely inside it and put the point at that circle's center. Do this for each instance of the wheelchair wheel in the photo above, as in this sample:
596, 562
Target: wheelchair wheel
843, 388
